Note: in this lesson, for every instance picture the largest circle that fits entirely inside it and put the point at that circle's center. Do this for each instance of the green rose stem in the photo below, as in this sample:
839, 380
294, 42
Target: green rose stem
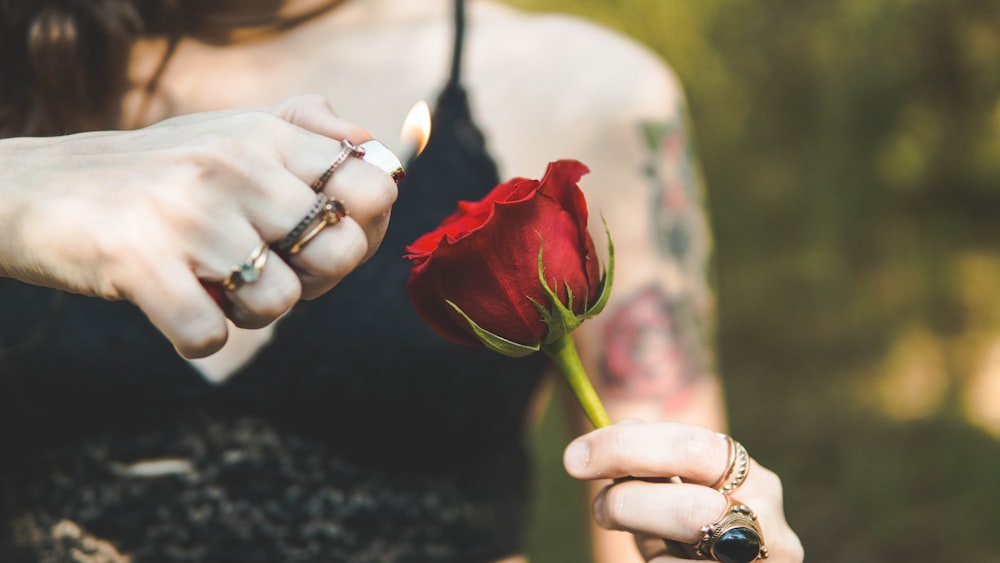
564, 355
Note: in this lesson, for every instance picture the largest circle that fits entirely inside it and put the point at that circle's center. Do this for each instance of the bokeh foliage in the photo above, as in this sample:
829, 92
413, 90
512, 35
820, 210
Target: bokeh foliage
852, 154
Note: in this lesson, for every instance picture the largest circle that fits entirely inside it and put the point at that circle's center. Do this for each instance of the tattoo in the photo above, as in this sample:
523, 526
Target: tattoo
655, 349
679, 223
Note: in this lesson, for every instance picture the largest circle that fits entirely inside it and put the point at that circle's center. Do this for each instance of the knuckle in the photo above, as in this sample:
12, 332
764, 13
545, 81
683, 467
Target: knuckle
386, 193
202, 335
344, 249
256, 118
215, 152
355, 133
701, 446
276, 299
309, 101
369, 189
618, 448
299, 108
768, 479
698, 514
355, 248
312, 99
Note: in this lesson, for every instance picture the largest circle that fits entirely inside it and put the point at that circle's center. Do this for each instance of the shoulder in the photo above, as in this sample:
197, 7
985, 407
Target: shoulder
562, 56
550, 86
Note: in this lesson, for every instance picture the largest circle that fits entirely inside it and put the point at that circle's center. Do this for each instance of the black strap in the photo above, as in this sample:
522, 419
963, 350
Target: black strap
456, 56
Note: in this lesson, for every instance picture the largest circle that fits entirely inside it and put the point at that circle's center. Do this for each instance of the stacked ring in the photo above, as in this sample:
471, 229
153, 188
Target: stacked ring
247, 271
293, 235
332, 212
349, 149
730, 461
740, 468
735, 537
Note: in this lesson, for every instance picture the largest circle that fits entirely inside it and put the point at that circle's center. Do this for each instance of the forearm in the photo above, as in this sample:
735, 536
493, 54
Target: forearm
18, 158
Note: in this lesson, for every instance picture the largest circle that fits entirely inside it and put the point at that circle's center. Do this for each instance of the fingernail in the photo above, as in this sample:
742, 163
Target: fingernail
577, 456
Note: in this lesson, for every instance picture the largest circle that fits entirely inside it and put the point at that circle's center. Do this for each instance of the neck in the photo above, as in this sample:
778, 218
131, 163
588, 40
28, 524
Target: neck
227, 21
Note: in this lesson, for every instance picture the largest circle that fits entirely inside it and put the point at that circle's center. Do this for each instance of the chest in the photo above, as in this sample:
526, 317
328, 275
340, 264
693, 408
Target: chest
372, 77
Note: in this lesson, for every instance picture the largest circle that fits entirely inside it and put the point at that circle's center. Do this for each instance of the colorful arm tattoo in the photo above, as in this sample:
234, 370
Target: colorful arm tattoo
658, 343
655, 349
679, 225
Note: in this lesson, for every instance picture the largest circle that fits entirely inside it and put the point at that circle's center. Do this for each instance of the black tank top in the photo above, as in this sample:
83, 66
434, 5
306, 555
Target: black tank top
356, 434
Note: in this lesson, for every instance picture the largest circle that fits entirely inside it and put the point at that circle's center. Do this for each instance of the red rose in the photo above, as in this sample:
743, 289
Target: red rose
485, 260
488, 258
517, 272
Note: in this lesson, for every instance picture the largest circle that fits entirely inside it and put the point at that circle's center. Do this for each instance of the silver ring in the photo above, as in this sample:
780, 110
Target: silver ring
378, 154
249, 270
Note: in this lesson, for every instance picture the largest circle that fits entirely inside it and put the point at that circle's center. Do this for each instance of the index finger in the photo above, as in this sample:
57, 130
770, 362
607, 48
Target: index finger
649, 450
315, 114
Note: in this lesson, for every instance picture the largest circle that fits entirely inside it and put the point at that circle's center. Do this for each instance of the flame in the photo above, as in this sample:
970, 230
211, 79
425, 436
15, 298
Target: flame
417, 125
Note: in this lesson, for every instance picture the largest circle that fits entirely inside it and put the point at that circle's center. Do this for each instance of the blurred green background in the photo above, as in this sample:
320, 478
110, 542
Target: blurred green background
852, 155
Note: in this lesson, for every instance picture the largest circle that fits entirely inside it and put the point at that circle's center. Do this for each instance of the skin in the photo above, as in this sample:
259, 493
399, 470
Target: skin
158, 214
641, 183
693, 453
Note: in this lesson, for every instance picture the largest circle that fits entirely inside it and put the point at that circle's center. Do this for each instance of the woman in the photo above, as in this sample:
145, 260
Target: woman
347, 430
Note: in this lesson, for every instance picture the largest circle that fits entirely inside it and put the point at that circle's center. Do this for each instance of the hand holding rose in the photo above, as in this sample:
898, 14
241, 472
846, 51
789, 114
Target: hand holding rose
641, 457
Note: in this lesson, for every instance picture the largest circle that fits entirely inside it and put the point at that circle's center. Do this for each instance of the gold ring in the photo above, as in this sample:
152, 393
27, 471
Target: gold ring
378, 154
741, 466
247, 271
349, 149
294, 234
735, 537
331, 214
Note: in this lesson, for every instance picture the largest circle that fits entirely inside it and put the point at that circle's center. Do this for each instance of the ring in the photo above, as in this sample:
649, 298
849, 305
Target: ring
332, 213
740, 468
734, 538
378, 154
247, 271
349, 149
293, 235
730, 461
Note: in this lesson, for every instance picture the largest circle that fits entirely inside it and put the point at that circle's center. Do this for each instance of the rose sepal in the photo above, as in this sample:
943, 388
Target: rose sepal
607, 278
560, 320
495, 342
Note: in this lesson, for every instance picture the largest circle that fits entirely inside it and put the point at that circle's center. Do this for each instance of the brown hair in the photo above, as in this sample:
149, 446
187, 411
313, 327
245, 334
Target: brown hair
63, 62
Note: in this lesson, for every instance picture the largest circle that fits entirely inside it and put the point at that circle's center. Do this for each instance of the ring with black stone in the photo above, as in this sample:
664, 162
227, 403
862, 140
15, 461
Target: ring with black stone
734, 538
